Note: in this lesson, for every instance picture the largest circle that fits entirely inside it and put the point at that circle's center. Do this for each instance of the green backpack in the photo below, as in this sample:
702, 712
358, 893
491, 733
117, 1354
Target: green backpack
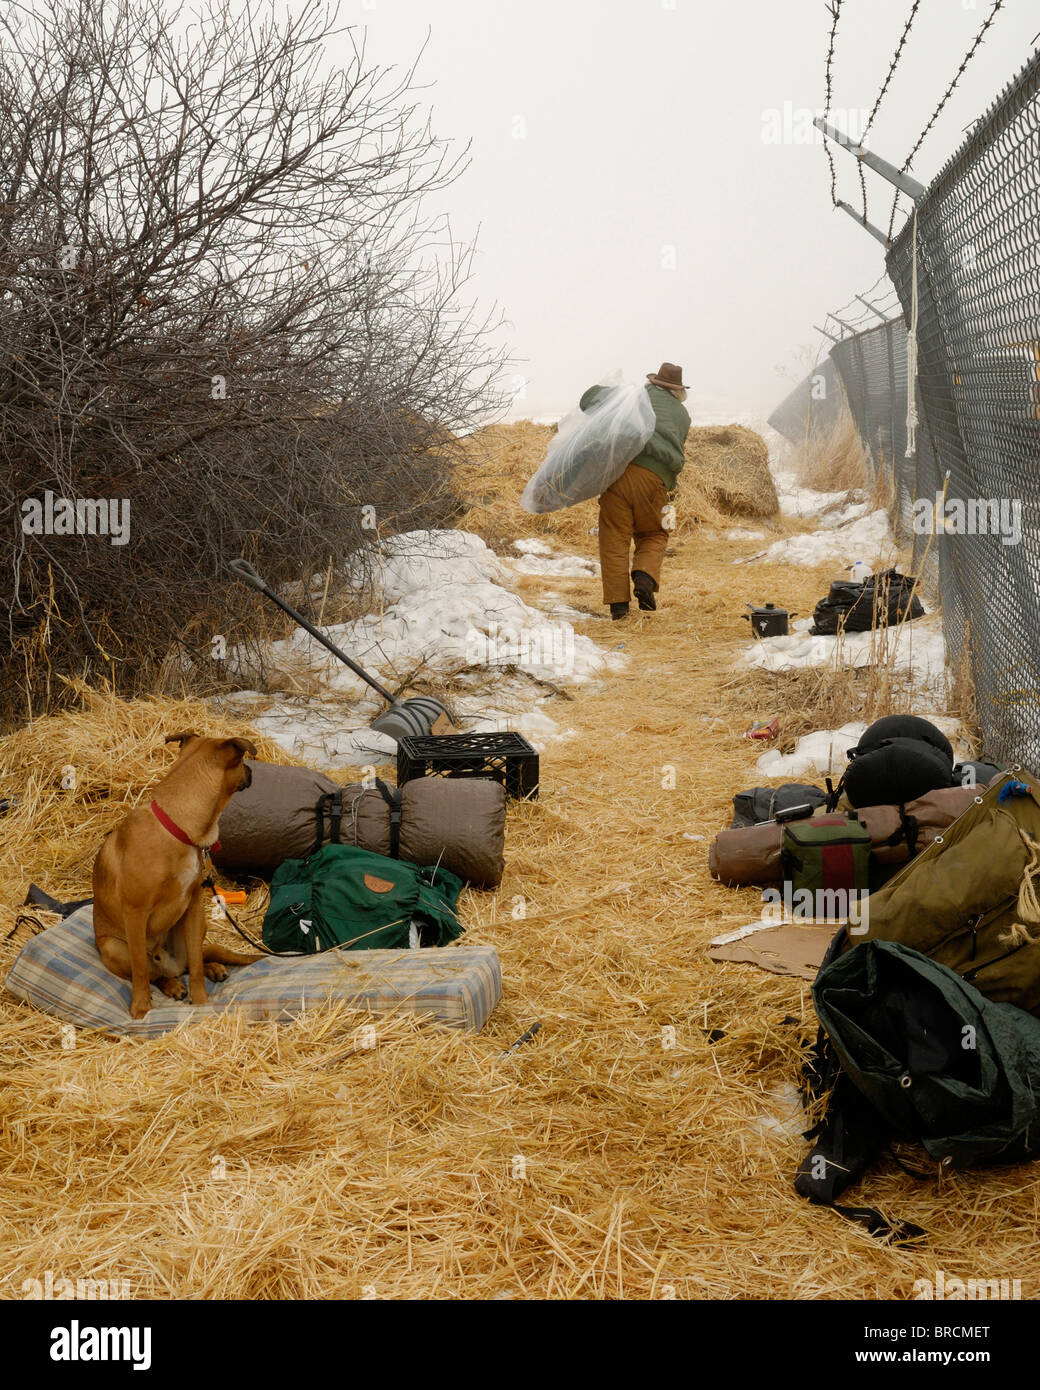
826, 854
939, 1062
344, 896
907, 1049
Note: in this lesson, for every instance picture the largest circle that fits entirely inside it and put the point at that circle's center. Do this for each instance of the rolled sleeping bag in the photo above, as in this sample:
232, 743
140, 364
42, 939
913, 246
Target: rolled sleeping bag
895, 771
923, 821
747, 855
751, 854
270, 820
457, 822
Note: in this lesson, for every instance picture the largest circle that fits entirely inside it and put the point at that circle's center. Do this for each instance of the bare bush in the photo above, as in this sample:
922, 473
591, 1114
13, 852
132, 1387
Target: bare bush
223, 307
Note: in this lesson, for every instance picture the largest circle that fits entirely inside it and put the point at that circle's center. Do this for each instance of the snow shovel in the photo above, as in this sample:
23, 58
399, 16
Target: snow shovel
405, 718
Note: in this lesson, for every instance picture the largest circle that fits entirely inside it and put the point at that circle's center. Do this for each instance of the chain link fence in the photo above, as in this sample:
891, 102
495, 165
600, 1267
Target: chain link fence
873, 371
978, 288
813, 407
866, 374
975, 472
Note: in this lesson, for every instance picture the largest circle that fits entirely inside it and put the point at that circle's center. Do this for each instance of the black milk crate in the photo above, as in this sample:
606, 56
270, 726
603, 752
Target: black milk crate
507, 758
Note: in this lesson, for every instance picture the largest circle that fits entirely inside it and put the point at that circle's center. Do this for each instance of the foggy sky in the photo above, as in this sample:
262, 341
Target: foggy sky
613, 139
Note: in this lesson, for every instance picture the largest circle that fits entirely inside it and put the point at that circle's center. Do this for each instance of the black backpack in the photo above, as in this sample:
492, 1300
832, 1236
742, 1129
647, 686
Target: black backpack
896, 771
905, 726
898, 759
763, 803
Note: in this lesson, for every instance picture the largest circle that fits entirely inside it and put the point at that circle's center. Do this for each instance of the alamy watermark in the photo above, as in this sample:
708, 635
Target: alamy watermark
972, 516
790, 904
950, 1287
793, 125
81, 1342
77, 516
53, 1286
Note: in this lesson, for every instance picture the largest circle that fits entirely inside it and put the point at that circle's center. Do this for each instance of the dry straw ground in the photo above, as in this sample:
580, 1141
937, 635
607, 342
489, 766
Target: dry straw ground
608, 1158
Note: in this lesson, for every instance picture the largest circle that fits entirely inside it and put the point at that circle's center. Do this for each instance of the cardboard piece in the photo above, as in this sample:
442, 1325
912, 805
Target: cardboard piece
782, 948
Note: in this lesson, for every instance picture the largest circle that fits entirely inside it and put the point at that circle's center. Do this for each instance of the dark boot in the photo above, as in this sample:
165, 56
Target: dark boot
644, 591
618, 610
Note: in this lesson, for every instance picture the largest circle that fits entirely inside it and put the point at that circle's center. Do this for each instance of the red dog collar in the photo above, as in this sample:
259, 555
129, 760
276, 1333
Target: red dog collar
178, 834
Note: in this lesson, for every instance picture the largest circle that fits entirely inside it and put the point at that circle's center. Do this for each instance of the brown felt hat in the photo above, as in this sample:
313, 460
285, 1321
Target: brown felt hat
668, 375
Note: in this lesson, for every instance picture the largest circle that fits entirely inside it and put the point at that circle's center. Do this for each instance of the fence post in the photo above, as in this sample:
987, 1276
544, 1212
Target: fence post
867, 226
895, 176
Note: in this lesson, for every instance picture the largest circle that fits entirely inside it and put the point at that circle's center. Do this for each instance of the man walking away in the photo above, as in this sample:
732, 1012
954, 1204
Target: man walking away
631, 511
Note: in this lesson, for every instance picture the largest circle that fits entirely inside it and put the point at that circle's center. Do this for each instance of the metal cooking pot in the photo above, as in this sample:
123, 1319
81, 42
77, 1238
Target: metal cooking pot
767, 620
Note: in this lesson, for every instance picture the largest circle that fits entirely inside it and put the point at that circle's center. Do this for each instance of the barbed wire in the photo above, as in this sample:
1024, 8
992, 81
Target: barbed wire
873, 287
997, 6
834, 9
884, 89
852, 323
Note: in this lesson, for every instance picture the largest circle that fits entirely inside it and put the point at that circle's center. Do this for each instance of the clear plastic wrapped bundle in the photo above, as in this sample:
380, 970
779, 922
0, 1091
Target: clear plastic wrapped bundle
592, 448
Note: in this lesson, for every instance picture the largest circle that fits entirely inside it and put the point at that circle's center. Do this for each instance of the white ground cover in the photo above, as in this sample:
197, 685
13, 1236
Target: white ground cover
445, 606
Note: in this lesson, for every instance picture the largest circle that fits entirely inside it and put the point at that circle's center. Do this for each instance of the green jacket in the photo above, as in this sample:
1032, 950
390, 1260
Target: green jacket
664, 453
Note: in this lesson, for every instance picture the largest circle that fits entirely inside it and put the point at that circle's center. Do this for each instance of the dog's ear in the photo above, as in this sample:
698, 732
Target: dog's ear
243, 746
179, 738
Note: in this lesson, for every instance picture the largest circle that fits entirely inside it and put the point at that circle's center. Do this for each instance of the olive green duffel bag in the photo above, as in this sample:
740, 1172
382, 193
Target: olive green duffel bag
971, 899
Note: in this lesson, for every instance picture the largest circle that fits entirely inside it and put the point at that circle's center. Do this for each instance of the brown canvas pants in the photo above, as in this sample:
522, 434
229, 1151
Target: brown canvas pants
631, 511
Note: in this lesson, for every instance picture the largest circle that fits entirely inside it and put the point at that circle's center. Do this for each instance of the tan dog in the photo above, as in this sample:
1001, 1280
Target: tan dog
149, 905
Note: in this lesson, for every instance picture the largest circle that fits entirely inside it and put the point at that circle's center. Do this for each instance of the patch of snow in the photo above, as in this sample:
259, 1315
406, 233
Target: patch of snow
823, 753
324, 734
425, 560
951, 726
796, 500
533, 546
559, 566
534, 725
917, 648
785, 1118
841, 516
449, 611
564, 612
740, 533
868, 536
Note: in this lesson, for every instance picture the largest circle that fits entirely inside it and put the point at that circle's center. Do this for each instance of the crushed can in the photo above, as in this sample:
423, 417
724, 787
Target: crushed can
768, 729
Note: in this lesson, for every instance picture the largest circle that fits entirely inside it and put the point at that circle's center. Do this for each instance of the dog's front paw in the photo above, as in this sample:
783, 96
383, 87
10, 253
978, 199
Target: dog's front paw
139, 1007
215, 971
173, 987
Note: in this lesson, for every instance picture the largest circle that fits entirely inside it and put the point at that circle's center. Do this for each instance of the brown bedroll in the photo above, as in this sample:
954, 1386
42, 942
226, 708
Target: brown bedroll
922, 821
751, 854
458, 822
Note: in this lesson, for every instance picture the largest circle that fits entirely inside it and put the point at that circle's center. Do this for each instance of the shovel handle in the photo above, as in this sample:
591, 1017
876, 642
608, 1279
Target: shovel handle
243, 570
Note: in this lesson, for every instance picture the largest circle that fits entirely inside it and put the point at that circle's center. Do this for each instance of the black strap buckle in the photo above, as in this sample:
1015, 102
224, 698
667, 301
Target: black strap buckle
331, 802
392, 797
